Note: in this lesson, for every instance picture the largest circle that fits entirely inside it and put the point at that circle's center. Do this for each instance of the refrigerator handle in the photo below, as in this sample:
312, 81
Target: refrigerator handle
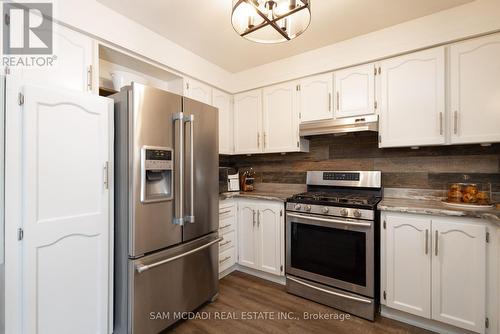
190, 119
179, 195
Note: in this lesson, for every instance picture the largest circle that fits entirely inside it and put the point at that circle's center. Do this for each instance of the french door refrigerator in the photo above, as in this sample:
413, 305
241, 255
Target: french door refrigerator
166, 207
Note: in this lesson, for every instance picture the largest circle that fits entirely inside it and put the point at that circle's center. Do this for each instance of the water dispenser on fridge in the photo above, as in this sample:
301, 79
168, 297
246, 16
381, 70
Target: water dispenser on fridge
156, 174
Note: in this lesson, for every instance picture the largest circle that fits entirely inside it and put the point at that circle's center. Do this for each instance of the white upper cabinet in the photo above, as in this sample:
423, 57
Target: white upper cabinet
73, 67
224, 102
475, 90
316, 97
459, 273
412, 99
197, 91
408, 261
355, 91
280, 119
248, 122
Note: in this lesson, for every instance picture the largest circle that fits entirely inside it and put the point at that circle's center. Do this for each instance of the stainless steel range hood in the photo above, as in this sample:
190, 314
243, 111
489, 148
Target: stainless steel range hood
341, 125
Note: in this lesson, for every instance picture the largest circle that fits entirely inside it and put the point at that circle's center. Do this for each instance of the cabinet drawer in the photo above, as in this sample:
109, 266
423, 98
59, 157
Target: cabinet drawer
227, 258
228, 242
227, 211
226, 225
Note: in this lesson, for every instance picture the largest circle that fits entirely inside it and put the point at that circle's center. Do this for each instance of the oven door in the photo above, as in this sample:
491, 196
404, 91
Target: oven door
338, 252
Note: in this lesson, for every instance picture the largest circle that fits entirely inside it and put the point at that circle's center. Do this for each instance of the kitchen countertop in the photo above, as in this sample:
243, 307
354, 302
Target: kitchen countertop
434, 207
267, 195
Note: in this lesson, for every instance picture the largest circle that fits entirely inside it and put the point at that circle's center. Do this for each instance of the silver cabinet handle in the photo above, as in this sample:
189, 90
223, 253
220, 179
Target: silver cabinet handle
426, 242
143, 267
265, 139
253, 217
440, 123
179, 196
336, 221
329, 101
258, 139
224, 212
338, 99
437, 238
224, 259
362, 300
225, 243
190, 119
455, 122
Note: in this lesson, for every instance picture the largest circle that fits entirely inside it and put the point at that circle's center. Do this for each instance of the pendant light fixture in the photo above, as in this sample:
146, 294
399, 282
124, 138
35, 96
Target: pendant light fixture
270, 21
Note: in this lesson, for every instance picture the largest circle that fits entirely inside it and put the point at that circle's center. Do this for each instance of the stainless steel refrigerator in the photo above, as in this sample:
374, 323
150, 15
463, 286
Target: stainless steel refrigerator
166, 207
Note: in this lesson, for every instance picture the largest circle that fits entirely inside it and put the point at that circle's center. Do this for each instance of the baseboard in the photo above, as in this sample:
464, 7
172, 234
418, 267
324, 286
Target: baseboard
261, 274
417, 321
227, 271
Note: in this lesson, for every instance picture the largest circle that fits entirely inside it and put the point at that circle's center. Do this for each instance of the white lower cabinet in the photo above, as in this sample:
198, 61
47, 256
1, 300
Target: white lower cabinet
227, 230
260, 229
435, 267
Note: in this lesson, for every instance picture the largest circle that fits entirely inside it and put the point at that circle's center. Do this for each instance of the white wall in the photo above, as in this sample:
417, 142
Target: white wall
100, 21
471, 19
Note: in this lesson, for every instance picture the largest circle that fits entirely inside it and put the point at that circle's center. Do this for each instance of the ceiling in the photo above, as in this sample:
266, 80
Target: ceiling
204, 26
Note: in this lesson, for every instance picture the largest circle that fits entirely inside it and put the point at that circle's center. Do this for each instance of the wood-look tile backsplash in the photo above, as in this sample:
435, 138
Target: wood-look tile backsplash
426, 167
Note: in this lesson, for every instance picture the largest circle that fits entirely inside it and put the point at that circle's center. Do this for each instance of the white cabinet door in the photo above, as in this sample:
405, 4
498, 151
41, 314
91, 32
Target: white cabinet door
247, 235
248, 122
355, 91
281, 118
269, 241
408, 263
197, 91
223, 102
66, 201
459, 273
72, 68
475, 90
412, 101
316, 97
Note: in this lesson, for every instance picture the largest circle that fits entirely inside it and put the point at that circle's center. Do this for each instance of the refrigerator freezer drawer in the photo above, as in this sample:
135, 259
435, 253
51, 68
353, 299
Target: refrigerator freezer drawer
175, 280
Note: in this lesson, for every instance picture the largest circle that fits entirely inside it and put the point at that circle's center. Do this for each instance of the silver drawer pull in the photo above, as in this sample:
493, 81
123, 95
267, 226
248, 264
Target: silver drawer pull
227, 225
357, 120
224, 212
225, 243
362, 300
224, 259
143, 267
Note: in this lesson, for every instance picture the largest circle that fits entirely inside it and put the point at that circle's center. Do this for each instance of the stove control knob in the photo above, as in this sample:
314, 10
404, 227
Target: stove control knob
357, 213
325, 209
344, 212
308, 208
297, 207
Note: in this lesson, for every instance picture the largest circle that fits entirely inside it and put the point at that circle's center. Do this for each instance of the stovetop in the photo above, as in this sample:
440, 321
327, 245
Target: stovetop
342, 199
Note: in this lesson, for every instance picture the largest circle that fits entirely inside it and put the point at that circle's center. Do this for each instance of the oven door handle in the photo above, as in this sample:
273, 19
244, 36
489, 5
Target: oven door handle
329, 220
362, 300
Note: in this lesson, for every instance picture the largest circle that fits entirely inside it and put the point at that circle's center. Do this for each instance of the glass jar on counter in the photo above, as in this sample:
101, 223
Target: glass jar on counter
469, 193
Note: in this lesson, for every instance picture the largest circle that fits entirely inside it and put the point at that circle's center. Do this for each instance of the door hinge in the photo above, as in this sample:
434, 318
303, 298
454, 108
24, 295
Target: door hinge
385, 225
385, 295
298, 144
487, 237
281, 213
375, 70
106, 175
297, 88
376, 104
379, 139
20, 99
487, 323
281, 268
300, 115
89, 78
20, 234
187, 85
379, 70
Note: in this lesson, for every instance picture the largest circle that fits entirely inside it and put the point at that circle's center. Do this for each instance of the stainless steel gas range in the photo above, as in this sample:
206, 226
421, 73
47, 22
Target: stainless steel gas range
332, 247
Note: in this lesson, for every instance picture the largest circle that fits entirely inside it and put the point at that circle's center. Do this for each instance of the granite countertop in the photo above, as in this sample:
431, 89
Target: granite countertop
435, 207
267, 195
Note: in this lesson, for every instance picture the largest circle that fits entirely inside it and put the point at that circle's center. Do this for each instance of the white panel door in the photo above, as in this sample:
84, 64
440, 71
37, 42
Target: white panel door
316, 97
198, 91
269, 240
66, 221
408, 264
355, 91
412, 101
281, 118
72, 67
459, 273
247, 115
223, 102
247, 241
475, 90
